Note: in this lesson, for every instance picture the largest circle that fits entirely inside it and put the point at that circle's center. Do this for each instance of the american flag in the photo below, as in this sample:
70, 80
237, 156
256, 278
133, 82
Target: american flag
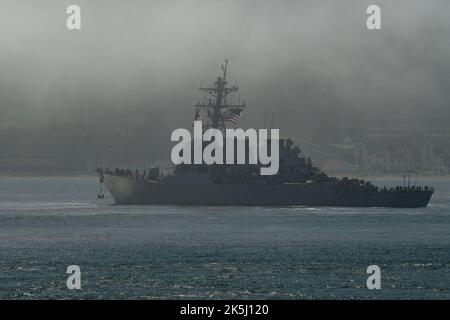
232, 115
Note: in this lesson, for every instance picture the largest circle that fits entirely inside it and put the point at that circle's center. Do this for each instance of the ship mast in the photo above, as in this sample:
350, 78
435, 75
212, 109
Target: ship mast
216, 110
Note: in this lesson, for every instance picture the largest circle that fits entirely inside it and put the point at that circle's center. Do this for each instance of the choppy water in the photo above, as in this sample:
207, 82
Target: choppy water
47, 224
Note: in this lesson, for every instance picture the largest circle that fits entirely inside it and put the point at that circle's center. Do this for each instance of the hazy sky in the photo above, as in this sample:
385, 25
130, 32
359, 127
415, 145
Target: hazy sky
312, 63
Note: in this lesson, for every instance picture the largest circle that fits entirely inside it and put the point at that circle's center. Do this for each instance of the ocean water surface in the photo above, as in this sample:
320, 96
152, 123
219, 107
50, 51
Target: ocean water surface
174, 252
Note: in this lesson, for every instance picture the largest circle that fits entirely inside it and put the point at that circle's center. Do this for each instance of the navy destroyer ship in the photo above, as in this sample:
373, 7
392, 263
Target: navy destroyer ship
297, 183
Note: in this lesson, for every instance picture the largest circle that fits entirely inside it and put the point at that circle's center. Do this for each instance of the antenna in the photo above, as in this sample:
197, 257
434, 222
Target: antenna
224, 69
218, 110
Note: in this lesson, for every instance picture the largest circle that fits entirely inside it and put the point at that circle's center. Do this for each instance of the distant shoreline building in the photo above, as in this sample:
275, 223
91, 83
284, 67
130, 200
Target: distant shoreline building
405, 148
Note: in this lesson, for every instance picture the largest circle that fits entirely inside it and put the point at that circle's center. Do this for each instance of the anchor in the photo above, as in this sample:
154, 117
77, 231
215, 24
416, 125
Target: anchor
101, 195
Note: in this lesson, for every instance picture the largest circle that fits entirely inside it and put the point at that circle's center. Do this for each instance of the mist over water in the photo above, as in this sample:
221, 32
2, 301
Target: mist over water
121, 84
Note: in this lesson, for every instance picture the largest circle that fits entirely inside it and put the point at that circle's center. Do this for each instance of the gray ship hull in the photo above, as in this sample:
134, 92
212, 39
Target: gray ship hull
126, 190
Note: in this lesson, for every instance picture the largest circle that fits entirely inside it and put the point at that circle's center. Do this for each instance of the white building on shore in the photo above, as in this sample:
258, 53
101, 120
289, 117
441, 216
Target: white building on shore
405, 148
